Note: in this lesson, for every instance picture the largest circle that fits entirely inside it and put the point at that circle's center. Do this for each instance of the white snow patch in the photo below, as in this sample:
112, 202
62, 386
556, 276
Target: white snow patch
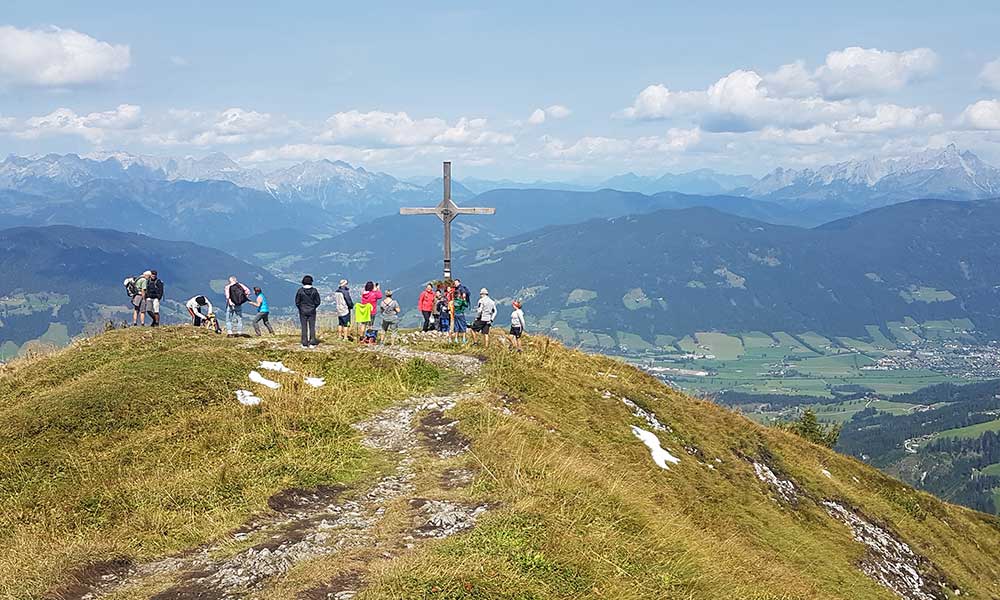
258, 378
275, 366
660, 456
786, 489
645, 415
890, 561
316, 381
247, 398
826, 473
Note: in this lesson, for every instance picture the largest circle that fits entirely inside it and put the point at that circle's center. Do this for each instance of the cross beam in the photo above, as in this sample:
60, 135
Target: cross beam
447, 211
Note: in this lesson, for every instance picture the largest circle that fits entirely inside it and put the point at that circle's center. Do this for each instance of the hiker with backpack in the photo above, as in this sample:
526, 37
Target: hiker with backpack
137, 290
390, 317
443, 313
342, 300
154, 293
134, 297
307, 300
237, 295
263, 312
486, 312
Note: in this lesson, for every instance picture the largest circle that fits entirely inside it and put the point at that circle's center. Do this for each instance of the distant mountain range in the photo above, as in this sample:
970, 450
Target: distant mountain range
65, 277
947, 173
681, 271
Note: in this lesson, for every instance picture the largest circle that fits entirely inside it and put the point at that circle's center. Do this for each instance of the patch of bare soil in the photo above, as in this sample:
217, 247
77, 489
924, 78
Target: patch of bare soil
341, 587
85, 581
441, 435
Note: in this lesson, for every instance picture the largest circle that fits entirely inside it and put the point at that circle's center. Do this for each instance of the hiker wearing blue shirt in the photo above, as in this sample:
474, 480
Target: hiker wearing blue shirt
263, 312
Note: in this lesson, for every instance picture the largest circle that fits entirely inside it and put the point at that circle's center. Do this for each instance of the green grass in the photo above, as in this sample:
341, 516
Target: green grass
586, 514
878, 338
993, 470
724, 347
972, 431
636, 299
579, 295
133, 443
903, 333
925, 294
92, 469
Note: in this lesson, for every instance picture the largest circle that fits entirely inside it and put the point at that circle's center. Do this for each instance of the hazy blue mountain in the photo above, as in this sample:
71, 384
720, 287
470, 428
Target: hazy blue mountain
698, 269
72, 276
701, 181
212, 212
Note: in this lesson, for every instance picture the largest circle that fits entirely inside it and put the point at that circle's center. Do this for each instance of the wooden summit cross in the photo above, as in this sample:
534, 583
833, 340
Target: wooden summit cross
447, 210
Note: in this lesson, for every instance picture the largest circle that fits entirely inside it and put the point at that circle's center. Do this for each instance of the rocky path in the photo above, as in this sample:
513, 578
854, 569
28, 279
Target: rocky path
305, 524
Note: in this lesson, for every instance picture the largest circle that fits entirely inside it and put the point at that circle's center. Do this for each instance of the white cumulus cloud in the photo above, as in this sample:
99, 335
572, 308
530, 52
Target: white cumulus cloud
556, 111
58, 57
888, 117
95, 126
989, 77
858, 71
984, 115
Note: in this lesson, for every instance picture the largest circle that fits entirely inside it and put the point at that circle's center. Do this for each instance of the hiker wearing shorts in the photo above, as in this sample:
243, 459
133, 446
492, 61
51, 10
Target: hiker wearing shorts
486, 312
154, 293
342, 300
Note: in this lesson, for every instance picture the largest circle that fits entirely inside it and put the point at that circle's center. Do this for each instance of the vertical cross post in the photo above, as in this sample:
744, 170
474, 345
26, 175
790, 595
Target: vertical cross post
447, 210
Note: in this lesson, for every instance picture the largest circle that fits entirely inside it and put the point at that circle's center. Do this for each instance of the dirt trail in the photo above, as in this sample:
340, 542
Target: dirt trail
305, 524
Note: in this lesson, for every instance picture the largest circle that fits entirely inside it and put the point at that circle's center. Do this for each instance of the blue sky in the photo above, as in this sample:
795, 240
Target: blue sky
562, 90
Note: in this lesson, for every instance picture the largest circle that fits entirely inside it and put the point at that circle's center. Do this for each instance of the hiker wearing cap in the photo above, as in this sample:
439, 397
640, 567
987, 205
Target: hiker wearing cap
516, 324
342, 300
154, 293
426, 305
237, 295
263, 312
486, 312
390, 317
307, 300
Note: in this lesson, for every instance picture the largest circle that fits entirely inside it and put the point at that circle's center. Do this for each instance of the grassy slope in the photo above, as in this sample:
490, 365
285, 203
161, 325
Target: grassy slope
133, 444
583, 511
588, 514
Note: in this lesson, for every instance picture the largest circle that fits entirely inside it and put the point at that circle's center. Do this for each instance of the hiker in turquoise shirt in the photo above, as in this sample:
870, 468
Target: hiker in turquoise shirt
263, 312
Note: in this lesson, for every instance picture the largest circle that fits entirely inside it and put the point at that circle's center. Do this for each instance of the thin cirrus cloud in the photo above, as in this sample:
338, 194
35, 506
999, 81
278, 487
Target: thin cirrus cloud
55, 57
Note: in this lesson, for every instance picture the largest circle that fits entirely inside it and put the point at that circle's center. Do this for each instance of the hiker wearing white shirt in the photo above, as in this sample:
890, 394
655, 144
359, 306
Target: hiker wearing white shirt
200, 309
486, 312
517, 324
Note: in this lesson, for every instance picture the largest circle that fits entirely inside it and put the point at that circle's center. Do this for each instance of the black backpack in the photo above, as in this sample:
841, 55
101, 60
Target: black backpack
237, 295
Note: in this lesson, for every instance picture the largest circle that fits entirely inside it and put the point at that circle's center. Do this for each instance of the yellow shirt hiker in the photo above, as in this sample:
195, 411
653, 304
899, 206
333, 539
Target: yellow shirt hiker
362, 313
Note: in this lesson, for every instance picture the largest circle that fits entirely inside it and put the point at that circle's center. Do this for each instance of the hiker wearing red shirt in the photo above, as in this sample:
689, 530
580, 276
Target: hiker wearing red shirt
426, 305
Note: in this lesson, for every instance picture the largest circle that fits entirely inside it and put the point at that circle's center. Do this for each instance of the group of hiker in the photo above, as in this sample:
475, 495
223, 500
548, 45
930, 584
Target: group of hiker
443, 308
145, 293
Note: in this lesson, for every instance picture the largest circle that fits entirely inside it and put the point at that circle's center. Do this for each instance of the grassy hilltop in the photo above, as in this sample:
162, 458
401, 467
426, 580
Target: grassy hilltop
129, 470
